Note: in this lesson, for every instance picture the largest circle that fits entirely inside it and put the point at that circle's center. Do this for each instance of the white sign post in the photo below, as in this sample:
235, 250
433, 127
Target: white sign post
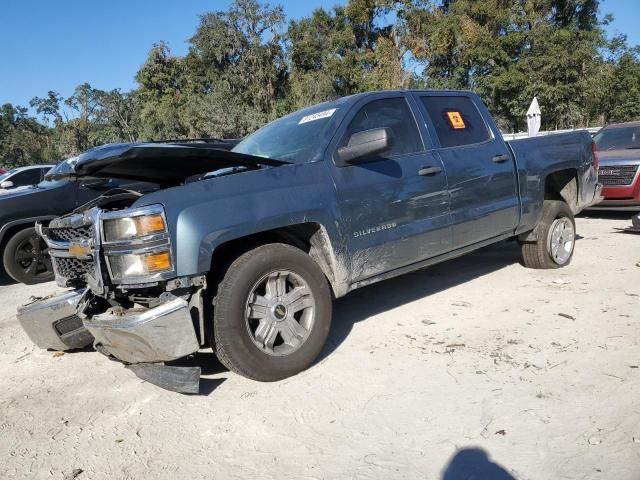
533, 118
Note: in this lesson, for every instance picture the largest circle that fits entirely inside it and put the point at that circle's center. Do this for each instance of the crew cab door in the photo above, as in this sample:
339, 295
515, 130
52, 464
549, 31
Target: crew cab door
392, 215
480, 169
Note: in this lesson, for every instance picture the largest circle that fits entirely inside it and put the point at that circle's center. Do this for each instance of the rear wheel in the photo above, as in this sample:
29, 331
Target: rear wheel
272, 313
555, 238
26, 258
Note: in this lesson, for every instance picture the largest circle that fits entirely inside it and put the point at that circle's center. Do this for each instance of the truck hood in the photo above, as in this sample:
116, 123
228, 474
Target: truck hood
165, 164
619, 157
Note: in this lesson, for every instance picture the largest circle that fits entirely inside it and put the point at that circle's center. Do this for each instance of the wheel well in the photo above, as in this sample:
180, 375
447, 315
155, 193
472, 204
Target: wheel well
8, 234
563, 185
310, 237
11, 231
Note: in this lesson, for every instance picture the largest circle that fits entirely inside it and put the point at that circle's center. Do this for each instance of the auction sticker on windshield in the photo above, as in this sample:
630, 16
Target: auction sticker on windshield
316, 116
456, 120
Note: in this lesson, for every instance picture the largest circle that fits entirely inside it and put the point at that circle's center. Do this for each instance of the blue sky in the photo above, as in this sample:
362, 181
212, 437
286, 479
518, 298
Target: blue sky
56, 45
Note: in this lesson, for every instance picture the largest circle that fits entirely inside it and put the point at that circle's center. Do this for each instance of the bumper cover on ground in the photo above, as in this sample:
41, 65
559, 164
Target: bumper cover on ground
51, 323
159, 334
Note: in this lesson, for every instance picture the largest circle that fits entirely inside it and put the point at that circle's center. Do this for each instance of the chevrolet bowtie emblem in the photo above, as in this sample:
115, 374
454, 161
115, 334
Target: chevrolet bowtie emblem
77, 250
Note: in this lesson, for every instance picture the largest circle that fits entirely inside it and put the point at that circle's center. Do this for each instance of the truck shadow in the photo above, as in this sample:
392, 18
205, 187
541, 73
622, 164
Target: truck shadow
474, 463
381, 297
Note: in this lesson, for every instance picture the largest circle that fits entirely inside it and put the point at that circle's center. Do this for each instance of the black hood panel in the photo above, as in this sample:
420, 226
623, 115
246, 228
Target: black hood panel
165, 164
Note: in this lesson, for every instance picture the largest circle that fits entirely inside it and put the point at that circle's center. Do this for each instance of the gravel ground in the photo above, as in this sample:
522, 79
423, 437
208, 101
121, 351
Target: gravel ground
476, 365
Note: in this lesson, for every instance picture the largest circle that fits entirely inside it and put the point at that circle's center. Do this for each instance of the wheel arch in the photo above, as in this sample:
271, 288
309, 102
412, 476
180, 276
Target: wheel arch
310, 237
557, 185
11, 228
563, 185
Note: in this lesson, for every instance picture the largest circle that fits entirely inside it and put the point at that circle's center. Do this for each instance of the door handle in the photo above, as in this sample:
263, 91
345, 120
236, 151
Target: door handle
426, 171
500, 158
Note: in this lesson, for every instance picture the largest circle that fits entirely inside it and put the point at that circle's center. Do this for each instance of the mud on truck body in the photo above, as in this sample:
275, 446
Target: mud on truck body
243, 251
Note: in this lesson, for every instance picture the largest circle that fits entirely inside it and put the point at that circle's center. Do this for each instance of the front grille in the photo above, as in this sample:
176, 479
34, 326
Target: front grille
617, 175
66, 234
72, 268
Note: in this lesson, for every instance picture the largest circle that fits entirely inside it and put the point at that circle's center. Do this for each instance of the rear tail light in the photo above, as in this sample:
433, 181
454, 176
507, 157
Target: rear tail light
595, 155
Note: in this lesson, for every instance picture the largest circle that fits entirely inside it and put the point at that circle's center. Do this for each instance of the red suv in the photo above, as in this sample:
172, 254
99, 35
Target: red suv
619, 153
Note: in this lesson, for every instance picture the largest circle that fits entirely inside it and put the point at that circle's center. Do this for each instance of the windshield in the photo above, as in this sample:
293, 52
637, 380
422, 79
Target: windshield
619, 138
296, 138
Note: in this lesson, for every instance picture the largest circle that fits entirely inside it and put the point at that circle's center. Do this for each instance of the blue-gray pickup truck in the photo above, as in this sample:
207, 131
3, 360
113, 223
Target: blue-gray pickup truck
244, 250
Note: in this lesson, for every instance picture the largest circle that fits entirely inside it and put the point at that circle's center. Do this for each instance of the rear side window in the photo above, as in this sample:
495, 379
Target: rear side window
26, 177
394, 114
457, 121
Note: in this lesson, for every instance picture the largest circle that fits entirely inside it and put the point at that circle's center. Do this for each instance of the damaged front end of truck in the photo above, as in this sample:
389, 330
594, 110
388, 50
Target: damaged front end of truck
117, 259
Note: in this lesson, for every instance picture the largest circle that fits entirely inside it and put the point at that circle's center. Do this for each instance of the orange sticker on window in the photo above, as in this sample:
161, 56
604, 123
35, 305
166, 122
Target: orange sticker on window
456, 120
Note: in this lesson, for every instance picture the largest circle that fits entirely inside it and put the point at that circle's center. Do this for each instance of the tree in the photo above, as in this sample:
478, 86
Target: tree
23, 139
120, 113
161, 84
245, 66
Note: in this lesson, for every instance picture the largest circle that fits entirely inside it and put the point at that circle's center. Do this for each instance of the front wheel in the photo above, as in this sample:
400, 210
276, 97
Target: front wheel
26, 258
272, 313
555, 238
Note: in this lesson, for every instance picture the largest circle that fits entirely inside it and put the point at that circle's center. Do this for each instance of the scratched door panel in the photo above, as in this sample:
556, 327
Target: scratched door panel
394, 216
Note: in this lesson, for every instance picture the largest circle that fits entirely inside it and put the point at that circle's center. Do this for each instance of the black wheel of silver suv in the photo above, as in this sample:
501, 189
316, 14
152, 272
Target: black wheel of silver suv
26, 258
272, 313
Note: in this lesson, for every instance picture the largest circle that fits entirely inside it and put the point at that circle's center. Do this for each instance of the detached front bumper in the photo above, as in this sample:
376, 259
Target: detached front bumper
53, 324
153, 335
160, 334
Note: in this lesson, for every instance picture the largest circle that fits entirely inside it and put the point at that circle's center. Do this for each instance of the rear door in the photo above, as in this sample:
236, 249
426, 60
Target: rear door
392, 215
480, 169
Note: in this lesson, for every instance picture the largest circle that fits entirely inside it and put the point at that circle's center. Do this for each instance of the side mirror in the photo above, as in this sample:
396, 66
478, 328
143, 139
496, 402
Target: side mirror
6, 184
364, 144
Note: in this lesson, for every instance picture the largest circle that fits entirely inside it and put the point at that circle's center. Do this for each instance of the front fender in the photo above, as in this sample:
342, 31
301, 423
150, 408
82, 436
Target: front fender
204, 215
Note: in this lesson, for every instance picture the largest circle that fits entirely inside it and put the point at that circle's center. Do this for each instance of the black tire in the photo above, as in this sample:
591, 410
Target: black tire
234, 343
537, 254
25, 258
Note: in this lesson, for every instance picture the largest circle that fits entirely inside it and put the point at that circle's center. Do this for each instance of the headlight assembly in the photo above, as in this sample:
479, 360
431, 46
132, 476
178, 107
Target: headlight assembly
137, 265
136, 245
127, 228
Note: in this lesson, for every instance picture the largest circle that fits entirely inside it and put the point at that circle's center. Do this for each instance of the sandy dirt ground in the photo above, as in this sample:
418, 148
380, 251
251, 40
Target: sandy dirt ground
475, 369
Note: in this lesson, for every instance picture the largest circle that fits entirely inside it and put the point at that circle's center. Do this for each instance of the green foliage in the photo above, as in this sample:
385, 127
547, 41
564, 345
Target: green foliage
22, 139
246, 66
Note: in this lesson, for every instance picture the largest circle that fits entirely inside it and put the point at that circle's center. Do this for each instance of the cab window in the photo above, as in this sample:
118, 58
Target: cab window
456, 120
391, 113
26, 177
